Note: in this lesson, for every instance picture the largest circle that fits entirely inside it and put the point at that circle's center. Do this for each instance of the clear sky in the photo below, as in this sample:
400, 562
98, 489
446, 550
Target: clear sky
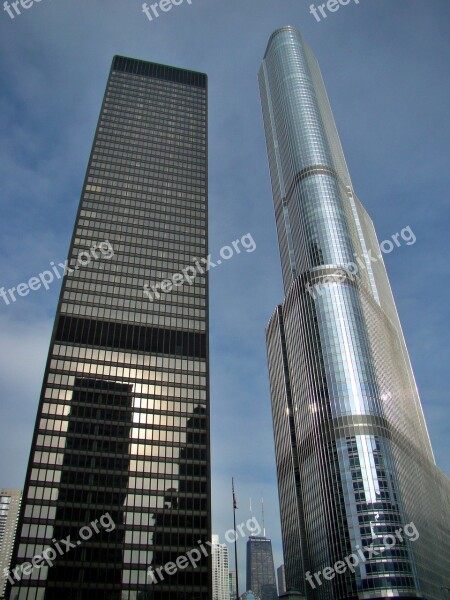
385, 65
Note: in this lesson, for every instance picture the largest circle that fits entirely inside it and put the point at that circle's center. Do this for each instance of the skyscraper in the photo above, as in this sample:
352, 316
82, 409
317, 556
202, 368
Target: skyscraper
260, 568
354, 461
122, 431
9, 515
220, 574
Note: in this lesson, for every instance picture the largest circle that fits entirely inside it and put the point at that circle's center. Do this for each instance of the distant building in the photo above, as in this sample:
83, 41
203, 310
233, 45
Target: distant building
281, 577
260, 568
10, 501
232, 584
220, 575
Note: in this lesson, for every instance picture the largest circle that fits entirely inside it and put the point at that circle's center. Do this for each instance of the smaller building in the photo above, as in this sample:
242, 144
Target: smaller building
281, 577
10, 501
260, 568
232, 585
220, 575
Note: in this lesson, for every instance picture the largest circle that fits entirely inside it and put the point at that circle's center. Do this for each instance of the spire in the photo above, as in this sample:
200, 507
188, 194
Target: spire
262, 510
252, 529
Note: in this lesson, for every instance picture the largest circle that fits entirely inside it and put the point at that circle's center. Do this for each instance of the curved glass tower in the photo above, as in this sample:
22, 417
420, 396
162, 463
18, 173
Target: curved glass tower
355, 465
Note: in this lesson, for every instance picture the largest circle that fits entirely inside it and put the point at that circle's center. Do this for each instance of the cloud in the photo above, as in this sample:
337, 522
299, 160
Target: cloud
384, 69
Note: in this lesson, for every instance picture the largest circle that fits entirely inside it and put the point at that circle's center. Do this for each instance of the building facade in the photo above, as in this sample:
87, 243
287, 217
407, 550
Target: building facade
121, 443
10, 500
354, 460
281, 578
260, 568
220, 573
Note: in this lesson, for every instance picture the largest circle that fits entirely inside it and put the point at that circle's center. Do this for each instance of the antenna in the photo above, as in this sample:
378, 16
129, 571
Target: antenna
252, 529
235, 539
262, 510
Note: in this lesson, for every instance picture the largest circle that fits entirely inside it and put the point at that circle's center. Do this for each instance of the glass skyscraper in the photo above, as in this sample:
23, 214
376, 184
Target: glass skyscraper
354, 461
260, 568
120, 455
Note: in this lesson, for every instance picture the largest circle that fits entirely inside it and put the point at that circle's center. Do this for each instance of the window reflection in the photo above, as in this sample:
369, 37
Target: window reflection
87, 490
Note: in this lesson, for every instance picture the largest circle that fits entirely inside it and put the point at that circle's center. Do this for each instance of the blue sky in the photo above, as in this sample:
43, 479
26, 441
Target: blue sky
384, 65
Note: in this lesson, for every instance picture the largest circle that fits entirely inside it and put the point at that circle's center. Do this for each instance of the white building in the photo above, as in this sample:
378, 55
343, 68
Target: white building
9, 513
220, 582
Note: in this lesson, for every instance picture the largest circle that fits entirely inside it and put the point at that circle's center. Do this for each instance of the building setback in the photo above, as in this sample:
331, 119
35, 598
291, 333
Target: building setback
122, 430
10, 500
260, 568
354, 460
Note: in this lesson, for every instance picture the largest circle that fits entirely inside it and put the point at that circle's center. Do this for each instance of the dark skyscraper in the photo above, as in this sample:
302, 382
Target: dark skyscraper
120, 454
356, 472
260, 568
